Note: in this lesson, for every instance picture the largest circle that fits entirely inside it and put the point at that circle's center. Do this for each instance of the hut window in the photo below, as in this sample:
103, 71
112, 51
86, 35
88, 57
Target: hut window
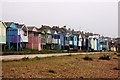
25, 33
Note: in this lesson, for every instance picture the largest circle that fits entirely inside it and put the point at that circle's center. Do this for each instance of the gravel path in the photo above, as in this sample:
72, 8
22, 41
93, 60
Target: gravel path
17, 57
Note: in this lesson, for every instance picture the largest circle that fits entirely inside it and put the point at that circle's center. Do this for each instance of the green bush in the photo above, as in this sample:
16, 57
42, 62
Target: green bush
50, 51
87, 58
25, 58
104, 57
37, 58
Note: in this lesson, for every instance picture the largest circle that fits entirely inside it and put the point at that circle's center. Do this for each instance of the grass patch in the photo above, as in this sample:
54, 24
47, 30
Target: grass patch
25, 59
49, 51
31, 51
37, 58
104, 57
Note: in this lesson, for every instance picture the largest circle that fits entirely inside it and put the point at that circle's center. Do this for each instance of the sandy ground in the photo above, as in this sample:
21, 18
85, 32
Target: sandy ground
61, 67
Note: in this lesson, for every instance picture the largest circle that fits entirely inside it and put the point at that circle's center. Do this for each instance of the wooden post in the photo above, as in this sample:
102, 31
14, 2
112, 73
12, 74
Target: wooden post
0, 49
17, 43
8, 43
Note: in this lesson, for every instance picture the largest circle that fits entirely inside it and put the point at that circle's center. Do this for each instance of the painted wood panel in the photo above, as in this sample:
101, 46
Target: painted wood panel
80, 40
34, 42
95, 44
43, 39
24, 35
55, 39
49, 39
75, 40
86, 44
71, 42
62, 40
12, 35
66, 41
92, 43
2, 33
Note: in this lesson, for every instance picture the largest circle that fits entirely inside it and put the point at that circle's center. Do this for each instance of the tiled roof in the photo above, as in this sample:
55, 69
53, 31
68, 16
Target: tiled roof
24, 28
30, 28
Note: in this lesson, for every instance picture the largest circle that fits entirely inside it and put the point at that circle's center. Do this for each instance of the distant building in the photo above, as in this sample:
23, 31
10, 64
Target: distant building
46, 37
94, 40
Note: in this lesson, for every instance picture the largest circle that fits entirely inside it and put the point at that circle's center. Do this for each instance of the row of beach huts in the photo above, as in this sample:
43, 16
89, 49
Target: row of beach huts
15, 36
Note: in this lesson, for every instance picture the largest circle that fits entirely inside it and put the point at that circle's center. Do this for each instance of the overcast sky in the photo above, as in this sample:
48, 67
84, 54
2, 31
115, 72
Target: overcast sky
98, 16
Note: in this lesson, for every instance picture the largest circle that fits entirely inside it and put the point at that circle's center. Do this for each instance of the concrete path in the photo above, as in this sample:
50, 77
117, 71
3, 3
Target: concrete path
17, 57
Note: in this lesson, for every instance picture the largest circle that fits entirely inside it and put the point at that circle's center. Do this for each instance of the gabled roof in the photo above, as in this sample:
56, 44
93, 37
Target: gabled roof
3, 24
8, 23
74, 33
39, 30
63, 30
97, 34
56, 28
87, 34
30, 28
21, 26
45, 27
53, 31
90, 34
24, 28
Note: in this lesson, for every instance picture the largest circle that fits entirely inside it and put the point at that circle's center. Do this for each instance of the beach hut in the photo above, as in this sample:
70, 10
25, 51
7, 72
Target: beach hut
75, 40
17, 36
104, 43
80, 40
113, 44
2, 35
34, 38
46, 36
56, 37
